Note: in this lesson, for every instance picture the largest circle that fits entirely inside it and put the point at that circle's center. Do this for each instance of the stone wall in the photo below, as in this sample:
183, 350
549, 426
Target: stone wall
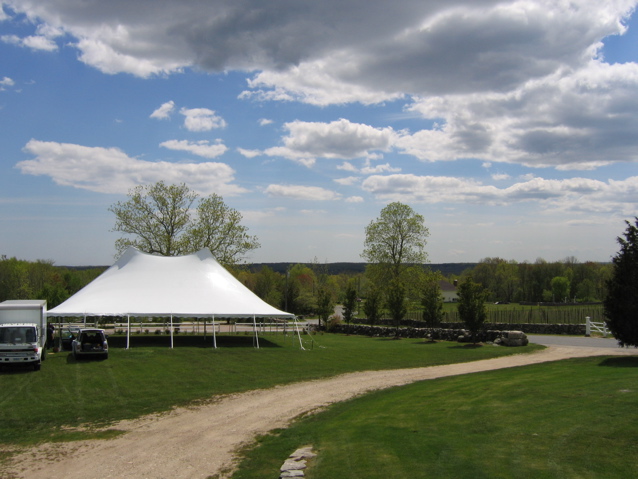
435, 334
528, 328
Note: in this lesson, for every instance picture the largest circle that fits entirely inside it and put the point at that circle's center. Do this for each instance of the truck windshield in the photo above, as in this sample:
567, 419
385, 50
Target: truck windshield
17, 335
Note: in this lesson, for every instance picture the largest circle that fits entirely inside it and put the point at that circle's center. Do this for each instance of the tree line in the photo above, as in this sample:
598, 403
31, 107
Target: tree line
20, 279
542, 281
172, 220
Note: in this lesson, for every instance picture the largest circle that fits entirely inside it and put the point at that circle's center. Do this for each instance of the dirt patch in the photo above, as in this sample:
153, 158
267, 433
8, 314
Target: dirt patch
200, 441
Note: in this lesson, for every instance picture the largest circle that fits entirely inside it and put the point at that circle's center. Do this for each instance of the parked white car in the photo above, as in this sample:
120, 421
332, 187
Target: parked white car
90, 342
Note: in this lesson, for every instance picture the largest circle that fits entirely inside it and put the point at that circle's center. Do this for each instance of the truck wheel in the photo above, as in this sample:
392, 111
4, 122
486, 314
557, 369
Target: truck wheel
36, 366
44, 353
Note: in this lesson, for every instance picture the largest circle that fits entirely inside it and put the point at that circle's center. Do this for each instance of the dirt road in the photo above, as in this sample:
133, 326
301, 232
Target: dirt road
200, 442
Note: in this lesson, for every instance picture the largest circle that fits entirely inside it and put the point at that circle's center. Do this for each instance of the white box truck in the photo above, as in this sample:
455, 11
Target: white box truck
23, 332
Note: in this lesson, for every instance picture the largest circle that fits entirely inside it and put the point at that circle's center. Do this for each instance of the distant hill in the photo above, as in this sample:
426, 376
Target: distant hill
446, 269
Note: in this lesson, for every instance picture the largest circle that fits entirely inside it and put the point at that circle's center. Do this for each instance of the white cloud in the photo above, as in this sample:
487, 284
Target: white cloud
201, 148
371, 170
265, 121
354, 199
109, 170
111, 60
518, 81
44, 40
164, 111
249, 153
33, 42
581, 120
347, 166
500, 176
201, 119
6, 82
339, 139
313, 83
574, 194
348, 181
298, 192
349, 52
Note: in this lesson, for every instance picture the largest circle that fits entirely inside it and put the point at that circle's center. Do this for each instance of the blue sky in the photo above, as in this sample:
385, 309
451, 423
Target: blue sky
512, 127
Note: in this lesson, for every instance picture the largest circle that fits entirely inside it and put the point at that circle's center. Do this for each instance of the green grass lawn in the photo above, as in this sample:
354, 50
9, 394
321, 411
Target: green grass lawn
567, 419
150, 377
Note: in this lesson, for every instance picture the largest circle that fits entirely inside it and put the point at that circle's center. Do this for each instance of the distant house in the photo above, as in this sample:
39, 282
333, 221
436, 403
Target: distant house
448, 290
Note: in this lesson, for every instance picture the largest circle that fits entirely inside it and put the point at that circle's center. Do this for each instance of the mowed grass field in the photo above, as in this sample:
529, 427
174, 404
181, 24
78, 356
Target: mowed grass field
571, 419
50, 405
568, 419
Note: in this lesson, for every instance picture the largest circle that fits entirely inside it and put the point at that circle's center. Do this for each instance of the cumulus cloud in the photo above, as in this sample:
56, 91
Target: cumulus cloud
164, 111
574, 194
249, 153
202, 148
348, 181
354, 49
518, 81
339, 139
298, 192
581, 120
6, 82
110, 170
43, 40
201, 119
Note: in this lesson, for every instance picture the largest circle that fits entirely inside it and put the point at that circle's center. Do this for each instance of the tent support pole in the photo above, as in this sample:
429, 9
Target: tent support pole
171, 331
298, 334
255, 329
128, 332
214, 337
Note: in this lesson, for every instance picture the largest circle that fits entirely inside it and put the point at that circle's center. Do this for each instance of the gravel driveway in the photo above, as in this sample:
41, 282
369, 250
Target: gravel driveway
201, 441
573, 341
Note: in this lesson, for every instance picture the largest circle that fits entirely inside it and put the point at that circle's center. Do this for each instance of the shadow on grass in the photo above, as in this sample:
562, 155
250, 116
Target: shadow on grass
621, 362
6, 369
191, 341
467, 346
86, 359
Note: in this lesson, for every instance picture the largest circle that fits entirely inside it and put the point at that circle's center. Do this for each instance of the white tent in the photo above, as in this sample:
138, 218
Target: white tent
142, 285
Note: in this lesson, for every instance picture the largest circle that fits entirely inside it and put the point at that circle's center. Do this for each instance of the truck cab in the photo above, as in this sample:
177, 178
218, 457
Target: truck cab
23, 332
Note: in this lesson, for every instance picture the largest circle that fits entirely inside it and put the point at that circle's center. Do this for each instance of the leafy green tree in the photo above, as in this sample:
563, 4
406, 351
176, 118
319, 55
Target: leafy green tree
395, 241
350, 303
396, 303
325, 305
621, 302
472, 297
432, 301
560, 288
159, 219
267, 286
372, 306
